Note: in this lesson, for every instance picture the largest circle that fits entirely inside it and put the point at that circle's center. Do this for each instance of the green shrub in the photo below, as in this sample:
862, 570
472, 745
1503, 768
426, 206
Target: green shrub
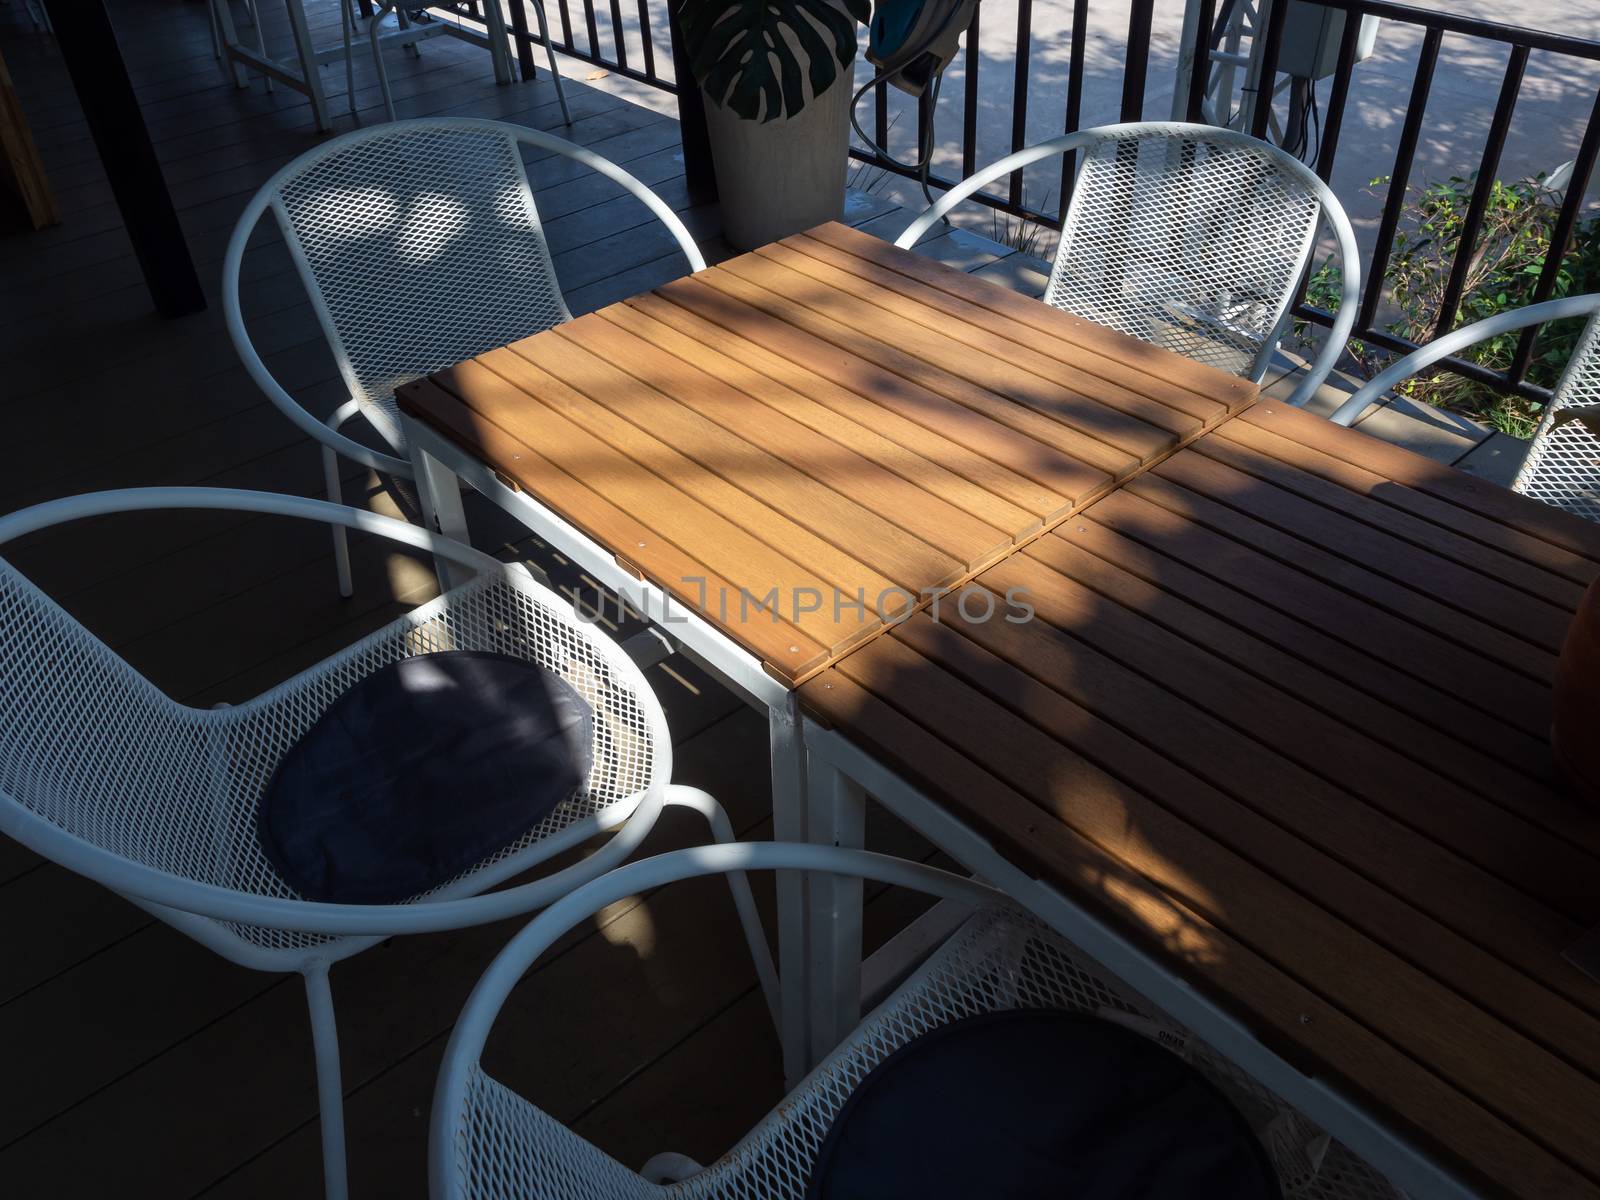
1504, 271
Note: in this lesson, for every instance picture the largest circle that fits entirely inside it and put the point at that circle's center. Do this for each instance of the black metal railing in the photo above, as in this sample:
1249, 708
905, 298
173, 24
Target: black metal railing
643, 46
578, 34
1135, 58
1518, 44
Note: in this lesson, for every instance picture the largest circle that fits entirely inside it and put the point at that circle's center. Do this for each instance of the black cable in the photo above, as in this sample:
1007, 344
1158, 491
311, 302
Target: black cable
921, 168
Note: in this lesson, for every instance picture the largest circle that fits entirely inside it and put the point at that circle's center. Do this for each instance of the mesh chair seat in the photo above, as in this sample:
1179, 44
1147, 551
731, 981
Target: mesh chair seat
508, 1149
92, 746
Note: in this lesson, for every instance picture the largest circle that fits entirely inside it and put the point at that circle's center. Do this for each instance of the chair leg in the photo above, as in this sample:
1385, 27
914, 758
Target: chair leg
555, 71
347, 25
330, 1091
738, 883
261, 37
341, 543
377, 58
411, 48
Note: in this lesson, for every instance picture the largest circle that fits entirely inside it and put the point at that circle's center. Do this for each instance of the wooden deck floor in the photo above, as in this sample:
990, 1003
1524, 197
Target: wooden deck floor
137, 1063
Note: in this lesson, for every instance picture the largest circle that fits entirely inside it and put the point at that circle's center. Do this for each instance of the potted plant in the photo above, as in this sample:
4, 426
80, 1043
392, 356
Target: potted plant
777, 108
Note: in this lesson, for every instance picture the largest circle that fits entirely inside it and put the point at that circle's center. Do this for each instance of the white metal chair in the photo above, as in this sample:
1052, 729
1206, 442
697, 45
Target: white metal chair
1562, 466
420, 245
1186, 236
105, 775
487, 1143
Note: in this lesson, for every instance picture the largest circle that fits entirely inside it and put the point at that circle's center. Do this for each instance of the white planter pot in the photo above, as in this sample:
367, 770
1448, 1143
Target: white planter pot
779, 177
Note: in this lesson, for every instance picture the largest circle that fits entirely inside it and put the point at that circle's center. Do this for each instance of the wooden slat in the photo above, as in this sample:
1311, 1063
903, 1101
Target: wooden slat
934, 464
1201, 493
1517, 514
1073, 330
1062, 474
752, 484
1072, 646
1160, 515
1111, 849
1255, 723
1260, 902
1221, 473
659, 558
1344, 682
836, 471
1101, 455
1535, 566
1146, 432
956, 339
983, 329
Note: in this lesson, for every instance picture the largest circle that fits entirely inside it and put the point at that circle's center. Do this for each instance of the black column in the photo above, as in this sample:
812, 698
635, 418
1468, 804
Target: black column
698, 173
88, 45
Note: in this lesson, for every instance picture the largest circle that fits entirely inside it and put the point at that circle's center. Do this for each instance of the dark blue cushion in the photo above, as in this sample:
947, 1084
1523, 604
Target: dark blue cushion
1038, 1104
421, 770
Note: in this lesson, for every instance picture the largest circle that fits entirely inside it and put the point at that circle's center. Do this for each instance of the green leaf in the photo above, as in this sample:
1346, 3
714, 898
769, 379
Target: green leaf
739, 50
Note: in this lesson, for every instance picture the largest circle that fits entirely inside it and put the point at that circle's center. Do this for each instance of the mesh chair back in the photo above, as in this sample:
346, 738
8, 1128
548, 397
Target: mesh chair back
90, 745
1190, 244
421, 246
1562, 467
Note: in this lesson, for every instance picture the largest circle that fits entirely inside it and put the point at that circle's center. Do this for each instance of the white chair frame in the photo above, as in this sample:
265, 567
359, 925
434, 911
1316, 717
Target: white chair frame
487, 1143
1331, 213
334, 443
1538, 476
331, 932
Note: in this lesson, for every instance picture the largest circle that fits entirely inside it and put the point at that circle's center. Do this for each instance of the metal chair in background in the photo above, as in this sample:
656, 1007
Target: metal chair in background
1562, 466
108, 777
409, 33
420, 245
1189, 237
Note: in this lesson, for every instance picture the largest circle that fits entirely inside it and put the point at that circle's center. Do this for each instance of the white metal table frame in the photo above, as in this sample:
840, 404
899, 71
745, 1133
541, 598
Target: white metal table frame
803, 901
841, 774
306, 79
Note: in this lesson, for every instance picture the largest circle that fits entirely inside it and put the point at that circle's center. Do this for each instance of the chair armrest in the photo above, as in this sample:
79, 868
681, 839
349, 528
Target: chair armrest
1459, 339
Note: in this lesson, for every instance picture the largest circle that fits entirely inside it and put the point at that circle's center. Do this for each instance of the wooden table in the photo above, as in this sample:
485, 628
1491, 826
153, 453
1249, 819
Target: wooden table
1278, 728
826, 419
777, 457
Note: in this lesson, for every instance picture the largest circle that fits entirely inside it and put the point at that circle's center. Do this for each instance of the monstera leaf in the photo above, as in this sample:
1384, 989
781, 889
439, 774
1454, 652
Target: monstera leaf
740, 50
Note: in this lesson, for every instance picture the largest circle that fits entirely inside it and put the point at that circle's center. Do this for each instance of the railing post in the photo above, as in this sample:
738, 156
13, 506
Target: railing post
88, 45
699, 175
521, 36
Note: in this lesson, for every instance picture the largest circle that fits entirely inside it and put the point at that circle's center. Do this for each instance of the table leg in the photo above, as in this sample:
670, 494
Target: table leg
836, 809
787, 744
308, 63
439, 493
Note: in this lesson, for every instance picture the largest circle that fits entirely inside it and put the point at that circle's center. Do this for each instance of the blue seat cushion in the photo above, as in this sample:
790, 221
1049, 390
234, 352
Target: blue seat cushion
423, 769
1038, 1104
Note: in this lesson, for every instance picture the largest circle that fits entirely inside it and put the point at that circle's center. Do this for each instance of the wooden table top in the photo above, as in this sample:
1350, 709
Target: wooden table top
830, 417
1282, 714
